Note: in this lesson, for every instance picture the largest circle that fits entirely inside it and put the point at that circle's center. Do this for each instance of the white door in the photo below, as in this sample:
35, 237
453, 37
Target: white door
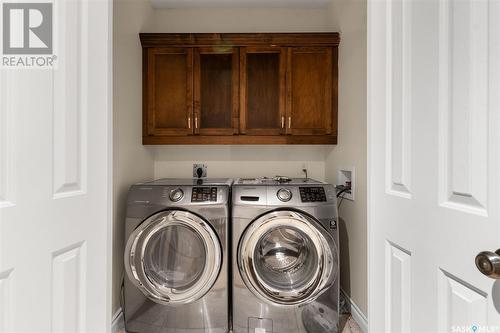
434, 164
55, 162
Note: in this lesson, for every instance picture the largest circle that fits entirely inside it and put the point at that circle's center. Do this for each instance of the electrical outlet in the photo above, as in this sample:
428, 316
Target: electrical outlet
202, 167
345, 176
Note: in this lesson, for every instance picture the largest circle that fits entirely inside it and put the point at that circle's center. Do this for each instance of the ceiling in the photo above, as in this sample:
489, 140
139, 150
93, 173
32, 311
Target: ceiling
163, 4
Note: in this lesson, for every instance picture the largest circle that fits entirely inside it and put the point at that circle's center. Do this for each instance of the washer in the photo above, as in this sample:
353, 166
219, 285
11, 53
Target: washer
285, 256
176, 256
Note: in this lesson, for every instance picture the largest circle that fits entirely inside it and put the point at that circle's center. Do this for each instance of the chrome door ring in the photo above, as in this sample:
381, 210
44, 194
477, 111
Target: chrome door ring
323, 243
136, 245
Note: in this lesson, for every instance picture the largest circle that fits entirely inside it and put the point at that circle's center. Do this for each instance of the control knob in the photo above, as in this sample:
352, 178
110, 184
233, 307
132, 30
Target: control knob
176, 195
284, 194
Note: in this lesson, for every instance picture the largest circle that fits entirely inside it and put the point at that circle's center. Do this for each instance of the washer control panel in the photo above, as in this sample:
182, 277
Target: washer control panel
204, 194
312, 194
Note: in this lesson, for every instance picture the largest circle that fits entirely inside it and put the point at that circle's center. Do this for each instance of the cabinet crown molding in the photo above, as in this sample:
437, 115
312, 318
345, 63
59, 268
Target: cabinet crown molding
239, 39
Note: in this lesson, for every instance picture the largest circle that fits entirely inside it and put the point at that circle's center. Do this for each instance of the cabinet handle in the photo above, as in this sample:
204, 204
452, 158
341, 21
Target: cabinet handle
283, 122
189, 122
196, 122
289, 122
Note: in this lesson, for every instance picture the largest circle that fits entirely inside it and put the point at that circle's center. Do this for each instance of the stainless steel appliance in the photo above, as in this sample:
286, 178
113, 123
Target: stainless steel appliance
285, 256
176, 265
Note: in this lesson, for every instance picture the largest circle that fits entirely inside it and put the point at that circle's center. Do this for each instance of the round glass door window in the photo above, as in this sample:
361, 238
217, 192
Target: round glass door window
174, 257
287, 258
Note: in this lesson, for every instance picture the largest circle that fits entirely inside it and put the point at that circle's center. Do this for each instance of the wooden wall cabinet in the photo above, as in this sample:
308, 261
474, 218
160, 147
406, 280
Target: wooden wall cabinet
216, 91
168, 92
310, 103
240, 88
262, 94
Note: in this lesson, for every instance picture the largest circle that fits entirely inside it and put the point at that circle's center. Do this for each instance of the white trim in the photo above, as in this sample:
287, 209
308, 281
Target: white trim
356, 313
372, 61
110, 180
117, 322
369, 162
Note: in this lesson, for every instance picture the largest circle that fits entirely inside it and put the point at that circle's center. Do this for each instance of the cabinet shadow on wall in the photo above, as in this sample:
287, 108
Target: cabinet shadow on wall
235, 161
241, 152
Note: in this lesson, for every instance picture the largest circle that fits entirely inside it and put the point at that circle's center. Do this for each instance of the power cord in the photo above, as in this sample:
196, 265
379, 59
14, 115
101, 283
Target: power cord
340, 202
341, 190
122, 296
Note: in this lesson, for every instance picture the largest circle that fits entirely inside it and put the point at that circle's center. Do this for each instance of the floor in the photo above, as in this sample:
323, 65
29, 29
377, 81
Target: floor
347, 325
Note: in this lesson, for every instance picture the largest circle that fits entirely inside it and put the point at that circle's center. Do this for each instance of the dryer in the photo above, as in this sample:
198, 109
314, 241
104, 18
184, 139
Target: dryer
176, 235
285, 256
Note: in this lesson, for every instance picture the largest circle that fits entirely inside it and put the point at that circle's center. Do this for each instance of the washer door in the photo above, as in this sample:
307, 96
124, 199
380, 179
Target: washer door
173, 257
287, 258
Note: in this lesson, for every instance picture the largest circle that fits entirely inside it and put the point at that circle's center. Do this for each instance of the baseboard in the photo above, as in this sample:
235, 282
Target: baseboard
117, 322
356, 313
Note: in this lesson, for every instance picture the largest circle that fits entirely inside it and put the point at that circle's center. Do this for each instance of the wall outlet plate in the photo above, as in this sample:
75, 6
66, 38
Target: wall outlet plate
203, 168
345, 175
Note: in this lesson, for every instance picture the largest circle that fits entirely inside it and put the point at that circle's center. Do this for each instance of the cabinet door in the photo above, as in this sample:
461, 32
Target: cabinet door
168, 91
216, 91
262, 90
311, 95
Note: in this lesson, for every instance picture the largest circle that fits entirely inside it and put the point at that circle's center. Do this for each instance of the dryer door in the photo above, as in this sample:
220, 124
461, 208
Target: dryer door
287, 258
173, 257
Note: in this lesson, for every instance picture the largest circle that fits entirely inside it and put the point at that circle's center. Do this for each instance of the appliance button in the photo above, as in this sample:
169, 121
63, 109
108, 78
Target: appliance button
176, 195
284, 194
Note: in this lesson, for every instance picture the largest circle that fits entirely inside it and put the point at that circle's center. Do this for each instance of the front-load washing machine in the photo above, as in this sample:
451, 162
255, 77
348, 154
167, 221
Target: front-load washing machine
176, 265
285, 256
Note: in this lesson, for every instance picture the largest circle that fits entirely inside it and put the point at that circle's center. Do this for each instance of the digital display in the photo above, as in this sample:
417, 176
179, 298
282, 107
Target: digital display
202, 194
312, 194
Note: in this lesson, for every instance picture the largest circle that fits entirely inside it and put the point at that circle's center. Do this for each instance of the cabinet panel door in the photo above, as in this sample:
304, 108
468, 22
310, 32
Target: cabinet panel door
168, 94
216, 91
262, 90
311, 100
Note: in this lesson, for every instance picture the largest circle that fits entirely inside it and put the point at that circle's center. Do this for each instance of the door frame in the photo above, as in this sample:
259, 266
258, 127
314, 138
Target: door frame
110, 172
374, 40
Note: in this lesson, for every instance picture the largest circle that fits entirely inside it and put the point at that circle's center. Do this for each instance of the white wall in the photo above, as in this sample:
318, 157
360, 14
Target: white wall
239, 20
350, 16
241, 161
132, 161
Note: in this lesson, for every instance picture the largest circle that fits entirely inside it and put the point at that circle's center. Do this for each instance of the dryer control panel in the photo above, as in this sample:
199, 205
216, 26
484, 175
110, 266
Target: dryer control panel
204, 194
312, 194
